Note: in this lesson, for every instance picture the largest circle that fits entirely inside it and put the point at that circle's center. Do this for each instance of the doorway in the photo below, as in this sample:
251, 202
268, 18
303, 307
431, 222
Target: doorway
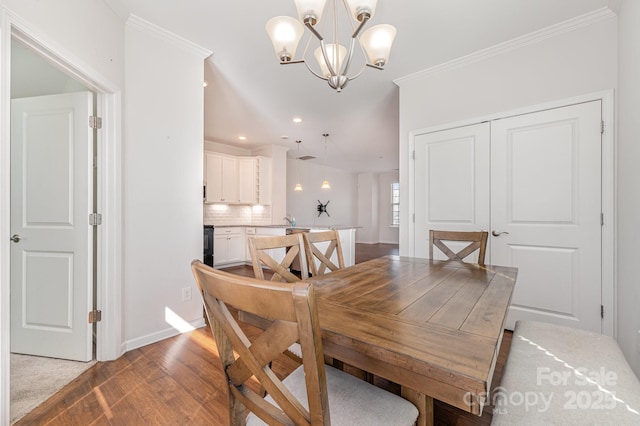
52, 182
108, 344
540, 180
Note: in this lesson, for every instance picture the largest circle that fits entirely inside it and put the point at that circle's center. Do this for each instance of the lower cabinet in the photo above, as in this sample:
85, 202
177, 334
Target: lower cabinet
231, 245
228, 246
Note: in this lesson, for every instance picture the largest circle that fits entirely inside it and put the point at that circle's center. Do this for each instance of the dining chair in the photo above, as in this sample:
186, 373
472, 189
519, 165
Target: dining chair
477, 240
262, 249
314, 393
319, 261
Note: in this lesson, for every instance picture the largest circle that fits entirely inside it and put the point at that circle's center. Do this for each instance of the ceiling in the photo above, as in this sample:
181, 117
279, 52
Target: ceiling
249, 93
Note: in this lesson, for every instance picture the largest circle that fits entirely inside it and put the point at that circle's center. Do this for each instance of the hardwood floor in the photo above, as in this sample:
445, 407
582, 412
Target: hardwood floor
366, 252
178, 381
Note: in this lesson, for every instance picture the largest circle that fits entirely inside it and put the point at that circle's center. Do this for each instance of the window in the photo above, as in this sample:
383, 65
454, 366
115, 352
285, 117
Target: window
395, 204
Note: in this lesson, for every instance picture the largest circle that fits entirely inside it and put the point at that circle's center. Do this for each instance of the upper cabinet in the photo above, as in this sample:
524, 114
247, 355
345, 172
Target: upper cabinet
221, 183
237, 180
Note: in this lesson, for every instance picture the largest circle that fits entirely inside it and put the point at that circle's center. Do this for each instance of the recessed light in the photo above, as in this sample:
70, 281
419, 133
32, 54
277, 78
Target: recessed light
297, 120
284, 137
242, 138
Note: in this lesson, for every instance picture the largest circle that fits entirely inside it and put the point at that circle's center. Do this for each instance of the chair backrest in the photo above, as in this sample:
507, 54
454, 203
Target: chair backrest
324, 263
477, 240
292, 308
261, 249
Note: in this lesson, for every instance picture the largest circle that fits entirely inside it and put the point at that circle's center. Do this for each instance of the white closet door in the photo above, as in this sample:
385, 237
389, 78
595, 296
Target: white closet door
546, 194
452, 184
51, 198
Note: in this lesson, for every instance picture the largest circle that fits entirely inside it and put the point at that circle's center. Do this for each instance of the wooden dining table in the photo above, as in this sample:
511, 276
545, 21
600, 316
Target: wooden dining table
433, 327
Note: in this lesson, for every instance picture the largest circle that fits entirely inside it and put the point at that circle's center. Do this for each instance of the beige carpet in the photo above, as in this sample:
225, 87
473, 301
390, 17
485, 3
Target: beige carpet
35, 379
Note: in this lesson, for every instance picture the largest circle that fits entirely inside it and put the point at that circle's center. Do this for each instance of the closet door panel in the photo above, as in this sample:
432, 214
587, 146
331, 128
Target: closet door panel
546, 197
452, 183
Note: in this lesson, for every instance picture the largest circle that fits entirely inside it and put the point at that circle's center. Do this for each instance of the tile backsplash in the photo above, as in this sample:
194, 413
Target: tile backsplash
227, 214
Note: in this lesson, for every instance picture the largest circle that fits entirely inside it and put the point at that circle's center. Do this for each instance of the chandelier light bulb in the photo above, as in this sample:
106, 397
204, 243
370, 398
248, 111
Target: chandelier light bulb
285, 33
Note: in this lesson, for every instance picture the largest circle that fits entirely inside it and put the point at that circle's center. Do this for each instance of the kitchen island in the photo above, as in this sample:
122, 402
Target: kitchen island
231, 241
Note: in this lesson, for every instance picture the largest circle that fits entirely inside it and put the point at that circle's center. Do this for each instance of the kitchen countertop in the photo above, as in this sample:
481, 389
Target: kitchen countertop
338, 227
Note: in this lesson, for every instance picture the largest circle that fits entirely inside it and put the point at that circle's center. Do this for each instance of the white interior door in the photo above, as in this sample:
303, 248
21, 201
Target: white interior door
452, 184
546, 193
51, 199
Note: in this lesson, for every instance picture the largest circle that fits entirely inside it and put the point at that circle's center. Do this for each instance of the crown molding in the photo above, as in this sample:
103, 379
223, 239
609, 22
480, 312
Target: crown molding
555, 30
614, 5
119, 9
137, 22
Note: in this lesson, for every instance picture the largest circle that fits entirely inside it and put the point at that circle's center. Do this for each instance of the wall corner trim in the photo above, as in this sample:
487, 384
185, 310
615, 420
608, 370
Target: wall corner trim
141, 24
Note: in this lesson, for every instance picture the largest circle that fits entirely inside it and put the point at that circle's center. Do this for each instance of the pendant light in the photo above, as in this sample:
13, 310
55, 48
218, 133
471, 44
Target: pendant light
325, 182
298, 186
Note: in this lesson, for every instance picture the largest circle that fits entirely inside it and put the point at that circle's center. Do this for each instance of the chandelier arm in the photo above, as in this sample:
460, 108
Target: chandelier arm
299, 61
359, 73
313, 72
362, 24
307, 23
349, 57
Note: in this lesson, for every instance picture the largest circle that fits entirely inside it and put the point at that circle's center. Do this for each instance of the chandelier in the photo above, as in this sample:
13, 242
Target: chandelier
333, 58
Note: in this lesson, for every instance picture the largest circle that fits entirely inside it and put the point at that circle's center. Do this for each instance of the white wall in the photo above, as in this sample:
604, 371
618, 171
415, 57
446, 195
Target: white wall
368, 205
88, 29
387, 234
577, 62
163, 175
303, 205
628, 178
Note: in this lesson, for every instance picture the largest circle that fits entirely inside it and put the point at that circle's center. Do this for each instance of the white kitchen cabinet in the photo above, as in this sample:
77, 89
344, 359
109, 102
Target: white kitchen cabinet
221, 183
247, 180
228, 246
263, 180
237, 180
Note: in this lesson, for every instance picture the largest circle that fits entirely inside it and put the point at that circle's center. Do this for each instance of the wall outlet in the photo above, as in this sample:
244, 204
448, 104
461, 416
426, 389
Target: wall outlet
186, 294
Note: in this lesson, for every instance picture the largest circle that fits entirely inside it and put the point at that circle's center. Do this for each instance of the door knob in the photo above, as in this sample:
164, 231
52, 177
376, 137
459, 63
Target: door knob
15, 238
497, 234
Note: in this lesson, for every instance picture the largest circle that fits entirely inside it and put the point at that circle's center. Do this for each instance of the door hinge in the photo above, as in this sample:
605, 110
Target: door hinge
601, 311
95, 122
413, 155
601, 219
95, 316
601, 127
95, 219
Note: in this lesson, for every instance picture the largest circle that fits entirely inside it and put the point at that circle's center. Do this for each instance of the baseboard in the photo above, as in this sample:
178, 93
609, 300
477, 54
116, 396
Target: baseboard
168, 332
